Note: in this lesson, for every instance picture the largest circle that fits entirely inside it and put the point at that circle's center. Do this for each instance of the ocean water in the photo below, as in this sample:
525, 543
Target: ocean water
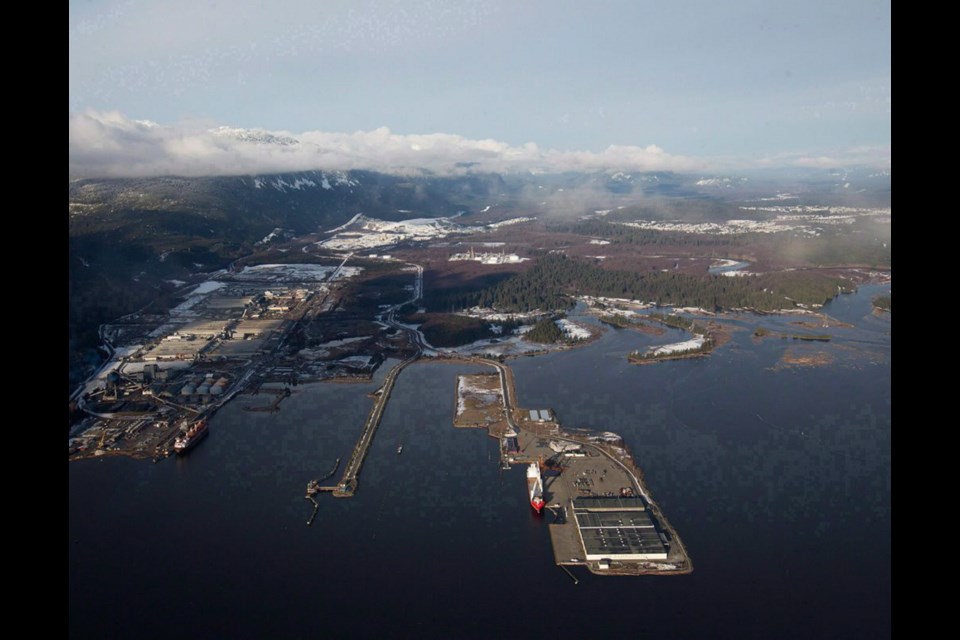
777, 478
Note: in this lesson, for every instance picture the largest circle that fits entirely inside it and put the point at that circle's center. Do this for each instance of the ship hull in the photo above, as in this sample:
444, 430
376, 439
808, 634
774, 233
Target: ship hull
191, 443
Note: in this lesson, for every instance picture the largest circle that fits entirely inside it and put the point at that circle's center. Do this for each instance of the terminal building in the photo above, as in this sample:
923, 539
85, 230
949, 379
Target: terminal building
617, 528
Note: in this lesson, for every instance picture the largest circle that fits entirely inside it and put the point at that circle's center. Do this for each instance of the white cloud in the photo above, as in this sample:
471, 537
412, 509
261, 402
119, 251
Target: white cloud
108, 144
871, 155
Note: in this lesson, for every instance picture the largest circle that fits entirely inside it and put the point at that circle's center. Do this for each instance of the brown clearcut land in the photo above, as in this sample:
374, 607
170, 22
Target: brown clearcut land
479, 401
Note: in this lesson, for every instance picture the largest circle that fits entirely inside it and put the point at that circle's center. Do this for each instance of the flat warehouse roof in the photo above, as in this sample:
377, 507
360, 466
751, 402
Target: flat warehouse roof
610, 542
608, 503
238, 348
638, 519
228, 302
615, 527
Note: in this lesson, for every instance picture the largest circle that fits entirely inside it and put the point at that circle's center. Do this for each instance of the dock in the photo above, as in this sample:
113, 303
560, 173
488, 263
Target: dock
349, 481
603, 491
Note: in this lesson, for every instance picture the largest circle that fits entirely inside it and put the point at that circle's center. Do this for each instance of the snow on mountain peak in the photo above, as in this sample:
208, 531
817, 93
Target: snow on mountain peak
256, 136
719, 181
322, 179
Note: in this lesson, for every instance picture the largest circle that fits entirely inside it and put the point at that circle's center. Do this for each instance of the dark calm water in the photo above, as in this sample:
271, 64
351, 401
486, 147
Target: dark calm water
778, 479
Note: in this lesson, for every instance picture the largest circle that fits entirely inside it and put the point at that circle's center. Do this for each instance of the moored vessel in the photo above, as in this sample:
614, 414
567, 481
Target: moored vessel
189, 438
535, 486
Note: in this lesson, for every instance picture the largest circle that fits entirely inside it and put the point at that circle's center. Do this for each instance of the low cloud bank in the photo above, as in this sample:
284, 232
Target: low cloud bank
108, 144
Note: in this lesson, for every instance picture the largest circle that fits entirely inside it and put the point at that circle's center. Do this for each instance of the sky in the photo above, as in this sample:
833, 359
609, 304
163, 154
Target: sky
158, 87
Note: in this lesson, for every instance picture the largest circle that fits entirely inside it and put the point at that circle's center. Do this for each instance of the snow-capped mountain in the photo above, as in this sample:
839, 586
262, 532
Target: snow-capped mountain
256, 136
720, 181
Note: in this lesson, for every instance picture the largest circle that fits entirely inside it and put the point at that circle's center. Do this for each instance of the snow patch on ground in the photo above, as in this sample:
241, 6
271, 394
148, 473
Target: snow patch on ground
612, 303
511, 346
488, 258
345, 224
723, 262
572, 330
206, 287
339, 343
464, 388
294, 272
196, 296
355, 361
130, 368
163, 330
373, 232
677, 347
496, 316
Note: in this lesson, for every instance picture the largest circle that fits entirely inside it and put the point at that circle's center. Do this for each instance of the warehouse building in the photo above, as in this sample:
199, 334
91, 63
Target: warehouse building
617, 528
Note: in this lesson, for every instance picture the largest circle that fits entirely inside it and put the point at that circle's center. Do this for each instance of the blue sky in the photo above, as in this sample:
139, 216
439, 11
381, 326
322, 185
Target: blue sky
701, 83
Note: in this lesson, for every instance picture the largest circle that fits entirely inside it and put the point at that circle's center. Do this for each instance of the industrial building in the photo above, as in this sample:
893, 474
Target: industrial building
617, 528
246, 338
228, 302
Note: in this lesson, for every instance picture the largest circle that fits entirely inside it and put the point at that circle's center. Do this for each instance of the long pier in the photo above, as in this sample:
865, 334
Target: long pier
348, 482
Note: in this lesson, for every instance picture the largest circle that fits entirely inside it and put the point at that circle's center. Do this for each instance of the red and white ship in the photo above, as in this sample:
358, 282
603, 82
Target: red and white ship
191, 436
535, 485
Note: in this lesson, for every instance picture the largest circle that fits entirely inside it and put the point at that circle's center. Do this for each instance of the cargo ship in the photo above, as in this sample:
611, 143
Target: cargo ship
191, 436
535, 485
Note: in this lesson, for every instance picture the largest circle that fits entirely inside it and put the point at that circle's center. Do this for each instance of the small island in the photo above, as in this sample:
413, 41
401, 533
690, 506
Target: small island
702, 343
881, 303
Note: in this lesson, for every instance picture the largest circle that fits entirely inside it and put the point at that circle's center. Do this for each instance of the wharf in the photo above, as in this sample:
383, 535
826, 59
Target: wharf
348, 482
599, 469
604, 471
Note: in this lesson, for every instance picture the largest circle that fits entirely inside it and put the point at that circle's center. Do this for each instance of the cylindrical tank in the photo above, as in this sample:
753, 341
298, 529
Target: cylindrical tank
203, 389
187, 389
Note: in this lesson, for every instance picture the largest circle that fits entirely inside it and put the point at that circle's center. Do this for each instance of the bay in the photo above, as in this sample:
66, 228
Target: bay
777, 478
